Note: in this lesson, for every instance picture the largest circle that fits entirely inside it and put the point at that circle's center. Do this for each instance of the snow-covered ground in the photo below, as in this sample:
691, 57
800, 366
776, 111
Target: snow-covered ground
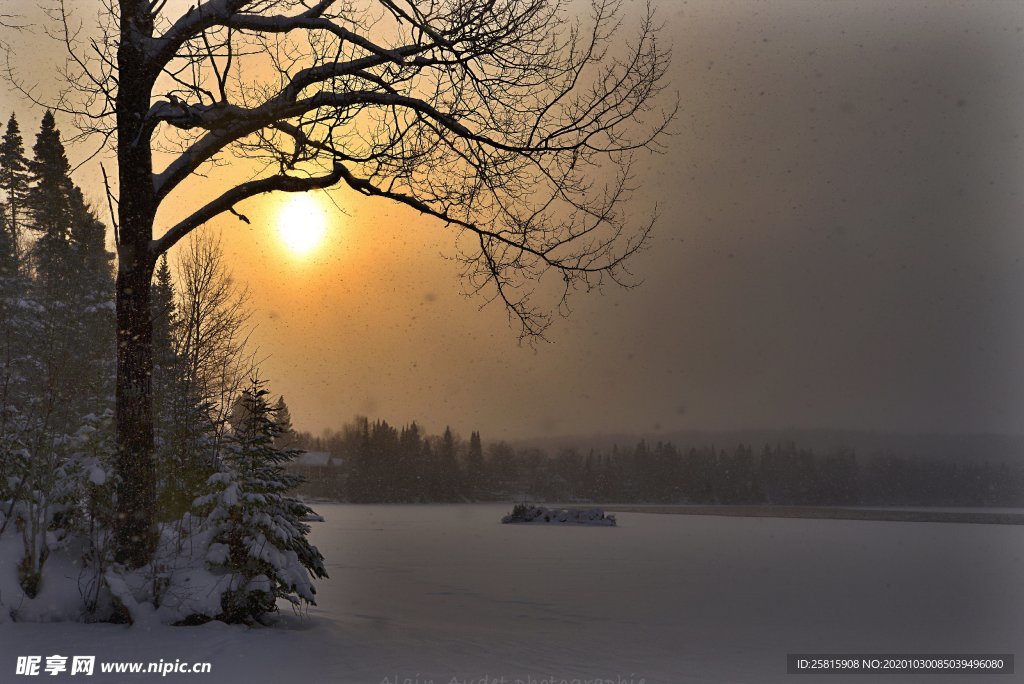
443, 594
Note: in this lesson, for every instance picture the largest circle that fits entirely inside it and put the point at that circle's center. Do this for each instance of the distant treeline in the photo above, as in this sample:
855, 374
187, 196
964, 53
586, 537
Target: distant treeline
375, 462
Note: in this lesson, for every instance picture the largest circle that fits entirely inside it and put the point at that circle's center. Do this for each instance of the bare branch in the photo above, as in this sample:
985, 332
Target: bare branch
111, 200
511, 120
227, 201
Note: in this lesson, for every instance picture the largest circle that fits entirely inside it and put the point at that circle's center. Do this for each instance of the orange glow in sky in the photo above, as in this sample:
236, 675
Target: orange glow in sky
302, 223
838, 245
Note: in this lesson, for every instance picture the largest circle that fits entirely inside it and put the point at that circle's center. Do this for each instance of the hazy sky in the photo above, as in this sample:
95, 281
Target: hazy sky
840, 245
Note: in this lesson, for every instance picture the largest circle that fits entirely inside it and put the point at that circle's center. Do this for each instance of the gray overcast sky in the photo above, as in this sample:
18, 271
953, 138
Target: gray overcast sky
840, 245
845, 200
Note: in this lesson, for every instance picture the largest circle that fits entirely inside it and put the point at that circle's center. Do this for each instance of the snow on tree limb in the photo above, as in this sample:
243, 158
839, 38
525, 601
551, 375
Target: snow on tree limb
486, 115
502, 118
510, 121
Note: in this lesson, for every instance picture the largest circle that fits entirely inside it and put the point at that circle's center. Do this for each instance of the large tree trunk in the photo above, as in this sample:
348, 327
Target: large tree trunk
135, 532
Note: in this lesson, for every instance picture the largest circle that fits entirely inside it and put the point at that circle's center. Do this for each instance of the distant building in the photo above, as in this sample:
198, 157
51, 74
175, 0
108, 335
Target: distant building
316, 458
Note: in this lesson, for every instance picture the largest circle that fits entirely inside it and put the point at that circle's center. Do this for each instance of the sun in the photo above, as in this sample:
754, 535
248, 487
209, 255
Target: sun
302, 223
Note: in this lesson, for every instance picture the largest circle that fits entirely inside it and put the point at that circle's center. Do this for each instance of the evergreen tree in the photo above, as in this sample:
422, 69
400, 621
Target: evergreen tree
12, 385
284, 421
411, 478
19, 326
184, 432
49, 208
89, 294
59, 342
260, 538
359, 466
475, 465
165, 324
93, 263
450, 475
14, 181
50, 216
381, 461
431, 482
8, 252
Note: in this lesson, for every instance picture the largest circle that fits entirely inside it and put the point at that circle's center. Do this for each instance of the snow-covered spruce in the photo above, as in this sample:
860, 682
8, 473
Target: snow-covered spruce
257, 537
530, 513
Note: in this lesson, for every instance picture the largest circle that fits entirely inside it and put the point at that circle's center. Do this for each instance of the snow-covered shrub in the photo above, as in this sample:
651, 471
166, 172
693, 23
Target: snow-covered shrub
92, 521
531, 513
257, 534
15, 460
63, 498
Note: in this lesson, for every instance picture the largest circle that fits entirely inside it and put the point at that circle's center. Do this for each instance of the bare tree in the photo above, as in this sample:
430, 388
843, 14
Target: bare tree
510, 121
214, 329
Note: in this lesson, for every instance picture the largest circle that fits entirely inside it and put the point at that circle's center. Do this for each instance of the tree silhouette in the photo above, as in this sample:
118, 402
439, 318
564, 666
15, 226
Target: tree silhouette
14, 180
49, 202
510, 121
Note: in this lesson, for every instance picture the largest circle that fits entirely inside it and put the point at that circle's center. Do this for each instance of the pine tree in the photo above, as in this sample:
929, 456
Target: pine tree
19, 334
173, 498
67, 310
260, 538
167, 385
87, 236
167, 368
165, 323
284, 421
451, 477
67, 317
10, 432
185, 434
50, 217
89, 293
49, 207
363, 466
475, 465
19, 325
432, 482
8, 252
410, 475
14, 181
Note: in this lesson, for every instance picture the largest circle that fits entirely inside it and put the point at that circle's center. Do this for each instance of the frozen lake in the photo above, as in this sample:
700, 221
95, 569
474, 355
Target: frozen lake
443, 594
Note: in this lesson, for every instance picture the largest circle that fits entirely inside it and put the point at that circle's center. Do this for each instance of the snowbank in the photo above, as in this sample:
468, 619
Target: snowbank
442, 593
